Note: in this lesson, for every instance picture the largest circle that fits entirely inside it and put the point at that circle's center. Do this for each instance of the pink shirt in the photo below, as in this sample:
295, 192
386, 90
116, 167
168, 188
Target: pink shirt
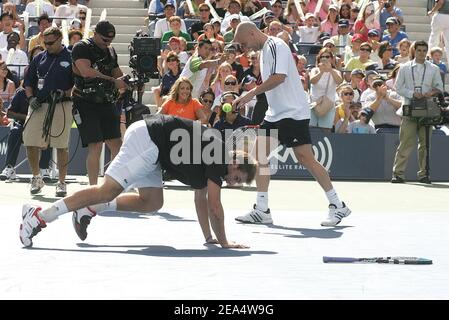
329, 27
310, 7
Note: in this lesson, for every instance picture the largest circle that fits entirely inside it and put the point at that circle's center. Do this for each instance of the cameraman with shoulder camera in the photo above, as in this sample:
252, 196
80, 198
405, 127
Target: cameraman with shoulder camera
98, 79
417, 79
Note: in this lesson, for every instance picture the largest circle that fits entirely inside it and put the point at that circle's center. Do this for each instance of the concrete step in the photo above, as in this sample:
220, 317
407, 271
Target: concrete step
409, 3
414, 36
116, 21
136, 4
408, 10
123, 38
121, 12
418, 27
417, 19
129, 29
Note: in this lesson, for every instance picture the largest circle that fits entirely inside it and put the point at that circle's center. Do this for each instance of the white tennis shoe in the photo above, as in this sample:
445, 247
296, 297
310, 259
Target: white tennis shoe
336, 215
256, 216
31, 224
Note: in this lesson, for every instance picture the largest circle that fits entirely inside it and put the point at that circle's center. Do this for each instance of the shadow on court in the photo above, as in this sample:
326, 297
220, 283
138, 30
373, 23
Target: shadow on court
161, 251
330, 233
139, 215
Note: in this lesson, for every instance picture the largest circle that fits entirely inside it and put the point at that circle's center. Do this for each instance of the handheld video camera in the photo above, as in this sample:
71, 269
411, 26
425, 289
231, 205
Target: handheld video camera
428, 111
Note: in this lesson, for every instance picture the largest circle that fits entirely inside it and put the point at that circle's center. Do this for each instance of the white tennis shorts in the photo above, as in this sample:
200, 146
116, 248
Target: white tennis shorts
136, 165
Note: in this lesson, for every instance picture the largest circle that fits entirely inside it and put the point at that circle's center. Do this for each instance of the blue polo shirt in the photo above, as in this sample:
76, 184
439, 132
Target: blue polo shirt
56, 70
394, 42
167, 82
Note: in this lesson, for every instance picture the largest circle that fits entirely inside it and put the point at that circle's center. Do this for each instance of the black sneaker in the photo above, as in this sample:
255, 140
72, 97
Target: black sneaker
397, 179
425, 180
81, 220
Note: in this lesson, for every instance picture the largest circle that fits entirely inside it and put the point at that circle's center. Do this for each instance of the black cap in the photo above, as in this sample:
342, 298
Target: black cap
105, 28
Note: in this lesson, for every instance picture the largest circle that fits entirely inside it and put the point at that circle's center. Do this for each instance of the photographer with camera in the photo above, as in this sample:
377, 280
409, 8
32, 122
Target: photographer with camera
418, 80
48, 83
98, 79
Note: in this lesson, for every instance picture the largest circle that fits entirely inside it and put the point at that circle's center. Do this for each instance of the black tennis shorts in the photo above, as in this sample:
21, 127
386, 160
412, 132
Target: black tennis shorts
99, 121
291, 133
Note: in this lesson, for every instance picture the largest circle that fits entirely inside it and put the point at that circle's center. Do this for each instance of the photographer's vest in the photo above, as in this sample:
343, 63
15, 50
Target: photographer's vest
98, 90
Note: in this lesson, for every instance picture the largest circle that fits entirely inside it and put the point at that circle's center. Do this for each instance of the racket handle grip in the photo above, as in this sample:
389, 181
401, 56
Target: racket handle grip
338, 259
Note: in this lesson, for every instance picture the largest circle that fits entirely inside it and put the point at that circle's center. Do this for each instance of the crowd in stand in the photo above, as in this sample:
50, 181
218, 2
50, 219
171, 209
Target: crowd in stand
347, 53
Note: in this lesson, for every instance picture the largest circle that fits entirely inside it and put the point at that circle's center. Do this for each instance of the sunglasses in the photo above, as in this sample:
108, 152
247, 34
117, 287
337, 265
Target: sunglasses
204, 10
172, 60
82, 18
107, 40
230, 83
348, 93
365, 49
50, 43
326, 56
207, 101
277, 6
253, 58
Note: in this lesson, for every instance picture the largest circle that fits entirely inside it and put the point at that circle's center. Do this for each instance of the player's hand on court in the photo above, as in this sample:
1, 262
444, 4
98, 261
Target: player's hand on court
233, 245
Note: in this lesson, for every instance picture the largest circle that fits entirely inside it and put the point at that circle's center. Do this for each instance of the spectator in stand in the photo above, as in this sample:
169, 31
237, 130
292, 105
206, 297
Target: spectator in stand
181, 104
74, 37
324, 79
362, 60
197, 27
217, 26
330, 25
162, 25
233, 119
354, 15
301, 64
220, 7
249, 83
43, 23
82, 16
386, 53
310, 31
331, 45
231, 84
278, 11
234, 7
345, 12
362, 125
355, 82
291, 14
216, 47
343, 38
7, 21
45, 8
157, 7
209, 33
391, 82
174, 44
436, 55
234, 21
175, 26
389, 9
344, 112
384, 103
369, 20
266, 20
354, 50
394, 35
322, 14
69, 10
217, 85
250, 7
168, 79
19, 59
404, 51
231, 53
197, 66
274, 28
7, 86
254, 71
366, 85
207, 98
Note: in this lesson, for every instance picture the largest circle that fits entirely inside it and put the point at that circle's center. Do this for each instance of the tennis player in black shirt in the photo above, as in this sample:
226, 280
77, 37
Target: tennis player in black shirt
190, 152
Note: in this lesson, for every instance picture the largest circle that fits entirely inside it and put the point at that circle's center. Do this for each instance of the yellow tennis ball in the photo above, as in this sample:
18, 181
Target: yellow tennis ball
227, 107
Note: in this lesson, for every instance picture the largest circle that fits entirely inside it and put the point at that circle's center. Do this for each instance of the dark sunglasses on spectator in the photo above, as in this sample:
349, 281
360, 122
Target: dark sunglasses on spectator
326, 56
172, 59
82, 18
365, 49
108, 40
230, 83
348, 93
207, 101
204, 10
50, 43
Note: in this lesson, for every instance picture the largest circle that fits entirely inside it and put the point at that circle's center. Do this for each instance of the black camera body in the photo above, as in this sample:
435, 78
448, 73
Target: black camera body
143, 53
431, 111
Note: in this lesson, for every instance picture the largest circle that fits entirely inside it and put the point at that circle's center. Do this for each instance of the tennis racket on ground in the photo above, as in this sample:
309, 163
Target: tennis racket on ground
391, 260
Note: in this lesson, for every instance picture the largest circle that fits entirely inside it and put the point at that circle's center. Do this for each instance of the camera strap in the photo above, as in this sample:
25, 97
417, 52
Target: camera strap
423, 75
